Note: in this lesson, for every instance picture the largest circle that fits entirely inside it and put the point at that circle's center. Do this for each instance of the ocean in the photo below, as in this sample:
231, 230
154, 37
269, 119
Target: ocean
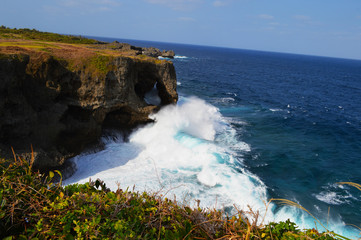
249, 126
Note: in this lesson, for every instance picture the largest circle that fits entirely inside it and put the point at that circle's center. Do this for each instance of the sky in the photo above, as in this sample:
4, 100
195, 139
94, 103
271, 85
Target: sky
311, 27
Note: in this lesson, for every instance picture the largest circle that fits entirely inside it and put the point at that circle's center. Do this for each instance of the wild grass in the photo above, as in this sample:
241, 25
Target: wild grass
101, 63
77, 53
33, 34
32, 206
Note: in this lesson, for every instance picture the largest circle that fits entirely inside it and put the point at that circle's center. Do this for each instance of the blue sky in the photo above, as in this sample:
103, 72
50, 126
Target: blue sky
313, 27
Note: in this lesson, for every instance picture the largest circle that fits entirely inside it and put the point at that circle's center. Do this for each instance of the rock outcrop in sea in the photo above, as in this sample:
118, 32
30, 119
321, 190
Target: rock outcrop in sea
59, 102
148, 51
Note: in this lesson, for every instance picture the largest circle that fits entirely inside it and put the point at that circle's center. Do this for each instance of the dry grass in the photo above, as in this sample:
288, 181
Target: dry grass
95, 61
67, 51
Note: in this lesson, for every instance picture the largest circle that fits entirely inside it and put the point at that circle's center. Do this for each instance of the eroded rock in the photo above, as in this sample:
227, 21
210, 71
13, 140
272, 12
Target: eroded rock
59, 110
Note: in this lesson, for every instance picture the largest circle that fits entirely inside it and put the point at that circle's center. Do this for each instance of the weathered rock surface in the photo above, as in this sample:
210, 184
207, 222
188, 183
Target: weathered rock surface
119, 46
152, 52
148, 51
168, 54
155, 52
59, 111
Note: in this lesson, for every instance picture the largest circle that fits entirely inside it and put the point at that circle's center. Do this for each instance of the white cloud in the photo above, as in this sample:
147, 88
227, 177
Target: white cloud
266, 16
302, 17
219, 3
85, 6
71, 3
186, 19
274, 23
305, 20
104, 9
177, 4
270, 28
222, 3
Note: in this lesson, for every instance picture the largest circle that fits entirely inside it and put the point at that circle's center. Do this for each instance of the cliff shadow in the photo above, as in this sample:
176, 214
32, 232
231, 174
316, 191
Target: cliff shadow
116, 153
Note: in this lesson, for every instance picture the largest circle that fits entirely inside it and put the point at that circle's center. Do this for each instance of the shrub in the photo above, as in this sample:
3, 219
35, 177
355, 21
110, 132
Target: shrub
32, 206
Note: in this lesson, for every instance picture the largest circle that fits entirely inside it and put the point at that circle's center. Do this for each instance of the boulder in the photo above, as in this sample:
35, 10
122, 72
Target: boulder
168, 54
152, 52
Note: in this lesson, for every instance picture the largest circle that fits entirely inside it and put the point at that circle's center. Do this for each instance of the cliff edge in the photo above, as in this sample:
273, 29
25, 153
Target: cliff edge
58, 97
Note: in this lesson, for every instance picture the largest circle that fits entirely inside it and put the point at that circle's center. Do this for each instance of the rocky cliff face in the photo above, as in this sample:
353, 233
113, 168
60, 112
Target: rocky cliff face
59, 107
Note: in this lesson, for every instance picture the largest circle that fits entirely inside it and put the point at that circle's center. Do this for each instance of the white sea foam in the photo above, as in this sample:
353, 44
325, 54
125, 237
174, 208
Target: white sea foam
331, 195
227, 99
190, 152
330, 198
184, 153
223, 100
178, 56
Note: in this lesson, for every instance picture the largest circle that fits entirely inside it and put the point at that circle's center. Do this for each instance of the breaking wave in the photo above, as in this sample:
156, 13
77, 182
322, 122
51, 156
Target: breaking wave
191, 152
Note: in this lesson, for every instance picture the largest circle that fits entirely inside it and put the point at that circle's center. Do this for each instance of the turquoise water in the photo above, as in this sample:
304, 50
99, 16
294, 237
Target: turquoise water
249, 126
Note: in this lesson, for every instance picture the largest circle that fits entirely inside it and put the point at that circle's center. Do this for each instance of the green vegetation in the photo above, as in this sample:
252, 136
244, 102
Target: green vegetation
32, 206
101, 63
33, 34
77, 51
40, 46
97, 65
146, 58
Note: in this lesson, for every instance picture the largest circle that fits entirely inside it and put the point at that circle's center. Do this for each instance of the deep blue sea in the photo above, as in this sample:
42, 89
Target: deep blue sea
249, 126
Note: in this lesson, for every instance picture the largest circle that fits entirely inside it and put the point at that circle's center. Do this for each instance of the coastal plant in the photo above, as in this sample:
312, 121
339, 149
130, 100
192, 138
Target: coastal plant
34, 206
325, 235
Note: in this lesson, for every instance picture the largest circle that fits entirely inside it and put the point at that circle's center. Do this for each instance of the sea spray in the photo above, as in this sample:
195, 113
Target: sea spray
190, 153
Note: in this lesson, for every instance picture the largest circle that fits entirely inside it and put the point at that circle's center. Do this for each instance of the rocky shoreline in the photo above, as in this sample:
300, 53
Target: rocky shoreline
59, 100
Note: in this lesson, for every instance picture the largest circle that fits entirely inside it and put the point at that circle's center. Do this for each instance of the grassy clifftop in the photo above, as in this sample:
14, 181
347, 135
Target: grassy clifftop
33, 34
77, 51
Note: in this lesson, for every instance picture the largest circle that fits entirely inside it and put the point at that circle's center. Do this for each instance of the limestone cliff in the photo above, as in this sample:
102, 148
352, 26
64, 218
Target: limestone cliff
59, 99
